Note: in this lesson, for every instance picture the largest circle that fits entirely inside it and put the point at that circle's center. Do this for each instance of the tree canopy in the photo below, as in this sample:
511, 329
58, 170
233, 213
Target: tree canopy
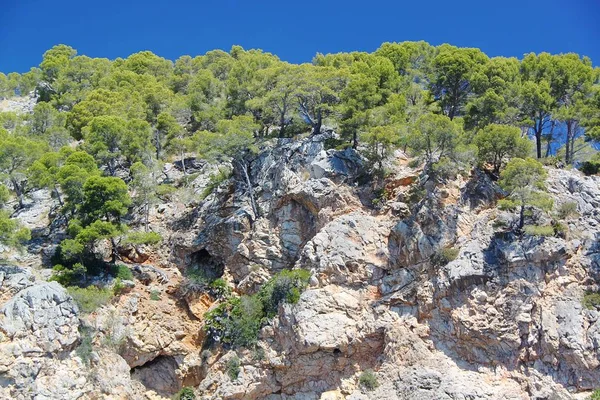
102, 129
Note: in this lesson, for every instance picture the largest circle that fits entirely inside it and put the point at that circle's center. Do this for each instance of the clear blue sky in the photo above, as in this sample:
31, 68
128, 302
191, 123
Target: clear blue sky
294, 30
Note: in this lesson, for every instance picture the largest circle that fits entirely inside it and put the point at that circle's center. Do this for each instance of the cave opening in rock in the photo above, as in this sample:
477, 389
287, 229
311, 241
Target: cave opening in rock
205, 266
159, 374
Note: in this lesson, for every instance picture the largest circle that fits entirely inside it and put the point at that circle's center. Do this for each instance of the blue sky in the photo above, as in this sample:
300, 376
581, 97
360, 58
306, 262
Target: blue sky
295, 31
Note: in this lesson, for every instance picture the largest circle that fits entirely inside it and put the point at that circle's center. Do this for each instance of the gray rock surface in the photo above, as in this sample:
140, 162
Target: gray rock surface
504, 320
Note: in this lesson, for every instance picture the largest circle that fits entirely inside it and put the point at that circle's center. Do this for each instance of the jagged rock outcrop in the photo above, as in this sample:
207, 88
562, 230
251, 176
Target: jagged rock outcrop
504, 319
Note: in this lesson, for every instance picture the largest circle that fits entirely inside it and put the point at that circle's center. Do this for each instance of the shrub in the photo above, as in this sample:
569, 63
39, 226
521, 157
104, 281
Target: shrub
415, 194
258, 354
414, 163
215, 181
68, 276
155, 295
139, 238
591, 300
444, 256
219, 288
233, 368
205, 355
285, 286
499, 224
560, 230
114, 336
85, 348
187, 393
507, 205
90, 298
165, 191
551, 161
188, 179
590, 167
118, 287
237, 321
539, 230
368, 380
335, 143
121, 272
566, 210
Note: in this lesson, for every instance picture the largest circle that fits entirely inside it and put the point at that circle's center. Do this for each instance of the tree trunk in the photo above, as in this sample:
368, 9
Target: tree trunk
18, 191
355, 140
521, 217
538, 142
58, 197
318, 124
114, 254
183, 164
244, 168
570, 141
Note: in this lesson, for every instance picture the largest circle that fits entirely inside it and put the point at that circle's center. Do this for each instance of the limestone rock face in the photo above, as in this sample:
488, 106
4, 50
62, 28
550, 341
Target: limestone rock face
39, 327
44, 313
434, 293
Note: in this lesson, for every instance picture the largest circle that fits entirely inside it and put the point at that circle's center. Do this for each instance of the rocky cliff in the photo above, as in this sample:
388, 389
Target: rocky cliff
501, 318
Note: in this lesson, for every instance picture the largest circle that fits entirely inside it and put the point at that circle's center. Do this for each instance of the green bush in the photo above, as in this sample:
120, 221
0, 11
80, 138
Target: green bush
139, 238
215, 181
205, 355
444, 256
590, 167
68, 276
283, 287
165, 191
118, 287
85, 348
90, 298
591, 300
238, 320
551, 161
566, 210
415, 194
155, 295
122, 272
220, 289
187, 393
414, 163
539, 230
507, 205
368, 380
335, 143
233, 368
560, 230
258, 354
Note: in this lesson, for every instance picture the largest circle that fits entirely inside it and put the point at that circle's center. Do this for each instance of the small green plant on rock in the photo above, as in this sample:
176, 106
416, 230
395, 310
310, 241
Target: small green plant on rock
215, 181
567, 210
444, 256
90, 298
591, 301
122, 272
140, 238
539, 230
233, 368
155, 295
85, 348
368, 380
187, 393
238, 320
